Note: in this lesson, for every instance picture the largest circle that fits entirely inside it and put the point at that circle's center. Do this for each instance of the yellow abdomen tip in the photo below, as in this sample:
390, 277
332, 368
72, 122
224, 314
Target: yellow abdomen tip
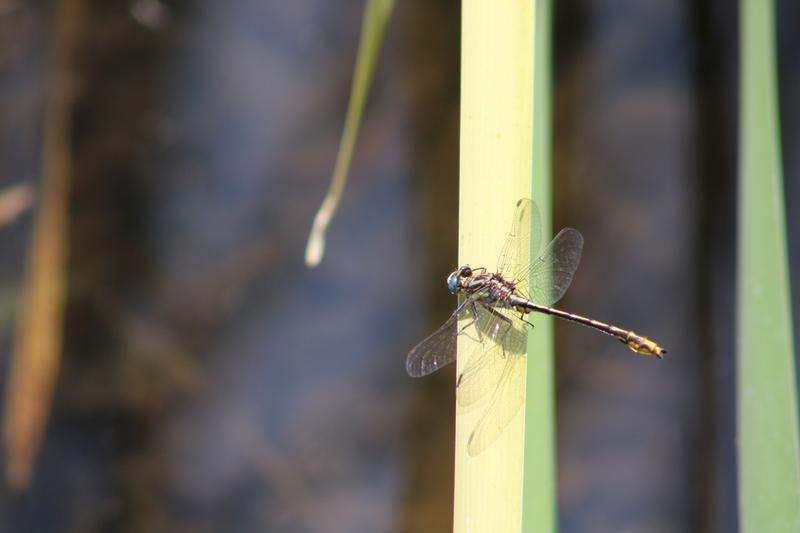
645, 346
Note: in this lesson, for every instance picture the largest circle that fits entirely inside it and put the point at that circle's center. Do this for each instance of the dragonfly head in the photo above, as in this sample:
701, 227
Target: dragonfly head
454, 279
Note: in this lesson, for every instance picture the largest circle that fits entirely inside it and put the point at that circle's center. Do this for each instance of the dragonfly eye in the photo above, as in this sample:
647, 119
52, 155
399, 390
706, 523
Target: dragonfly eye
452, 281
454, 277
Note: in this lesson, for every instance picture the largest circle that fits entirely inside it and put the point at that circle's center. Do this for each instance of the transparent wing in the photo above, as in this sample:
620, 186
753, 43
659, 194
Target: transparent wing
551, 273
503, 406
485, 362
480, 377
522, 244
493, 371
438, 349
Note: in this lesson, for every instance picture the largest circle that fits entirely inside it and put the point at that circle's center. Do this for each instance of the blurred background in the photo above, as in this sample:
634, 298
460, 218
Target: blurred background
210, 382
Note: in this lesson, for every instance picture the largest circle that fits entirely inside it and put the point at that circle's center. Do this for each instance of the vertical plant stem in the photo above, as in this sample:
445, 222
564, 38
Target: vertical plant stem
376, 17
539, 485
37, 346
497, 165
769, 455
14, 201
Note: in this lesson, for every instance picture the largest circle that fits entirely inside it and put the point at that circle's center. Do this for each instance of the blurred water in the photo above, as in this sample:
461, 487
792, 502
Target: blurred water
211, 382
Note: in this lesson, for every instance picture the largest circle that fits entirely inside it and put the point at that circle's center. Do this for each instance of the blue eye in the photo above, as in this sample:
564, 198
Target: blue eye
452, 281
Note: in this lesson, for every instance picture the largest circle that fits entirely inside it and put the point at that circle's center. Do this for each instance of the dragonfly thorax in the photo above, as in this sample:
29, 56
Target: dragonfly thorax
496, 290
492, 288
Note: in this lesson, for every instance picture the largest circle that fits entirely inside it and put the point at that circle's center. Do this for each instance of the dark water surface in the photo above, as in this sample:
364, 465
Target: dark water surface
210, 382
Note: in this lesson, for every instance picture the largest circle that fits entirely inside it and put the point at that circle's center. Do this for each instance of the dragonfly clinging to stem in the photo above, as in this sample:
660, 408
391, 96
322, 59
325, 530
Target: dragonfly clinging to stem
494, 307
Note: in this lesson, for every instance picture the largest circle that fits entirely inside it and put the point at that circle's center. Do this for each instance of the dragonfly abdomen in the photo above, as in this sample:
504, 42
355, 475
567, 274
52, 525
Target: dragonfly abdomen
632, 340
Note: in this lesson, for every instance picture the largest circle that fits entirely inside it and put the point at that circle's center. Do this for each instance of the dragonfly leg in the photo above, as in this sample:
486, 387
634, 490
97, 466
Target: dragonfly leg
466, 326
522, 317
475, 319
503, 322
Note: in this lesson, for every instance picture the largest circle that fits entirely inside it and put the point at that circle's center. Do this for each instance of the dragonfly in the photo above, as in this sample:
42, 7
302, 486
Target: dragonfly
493, 313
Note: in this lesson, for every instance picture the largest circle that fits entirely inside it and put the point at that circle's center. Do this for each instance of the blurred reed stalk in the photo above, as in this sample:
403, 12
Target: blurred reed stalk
376, 16
768, 452
37, 346
14, 201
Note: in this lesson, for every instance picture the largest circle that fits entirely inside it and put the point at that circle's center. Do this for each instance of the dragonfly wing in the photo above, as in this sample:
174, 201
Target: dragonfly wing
494, 370
486, 361
523, 241
503, 406
480, 376
551, 273
438, 349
